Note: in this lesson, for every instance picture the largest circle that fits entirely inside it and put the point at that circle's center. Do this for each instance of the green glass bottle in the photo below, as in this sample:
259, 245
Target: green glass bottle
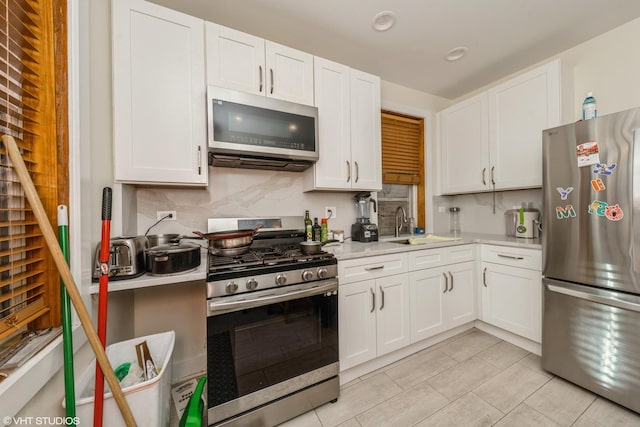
308, 227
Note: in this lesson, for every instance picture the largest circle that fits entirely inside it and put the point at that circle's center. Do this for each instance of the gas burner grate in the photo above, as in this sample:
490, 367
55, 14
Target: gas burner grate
284, 254
246, 260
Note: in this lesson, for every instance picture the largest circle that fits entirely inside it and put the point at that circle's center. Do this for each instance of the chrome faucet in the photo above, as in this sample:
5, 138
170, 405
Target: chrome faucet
403, 220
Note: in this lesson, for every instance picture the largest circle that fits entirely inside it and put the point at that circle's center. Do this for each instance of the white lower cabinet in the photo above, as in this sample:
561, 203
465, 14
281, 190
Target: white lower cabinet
441, 299
374, 318
373, 307
389, 302
512, 290
392, 313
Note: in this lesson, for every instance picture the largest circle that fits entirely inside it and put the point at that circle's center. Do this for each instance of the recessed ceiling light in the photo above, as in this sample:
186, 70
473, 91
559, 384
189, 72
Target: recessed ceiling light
384, 20
456, 53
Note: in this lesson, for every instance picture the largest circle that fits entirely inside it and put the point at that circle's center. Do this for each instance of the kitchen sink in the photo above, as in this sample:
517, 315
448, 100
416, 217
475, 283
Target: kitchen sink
400, 242
423, 240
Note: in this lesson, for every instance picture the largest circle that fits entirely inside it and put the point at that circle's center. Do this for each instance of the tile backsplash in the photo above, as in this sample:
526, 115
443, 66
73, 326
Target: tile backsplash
476, 210
238, 192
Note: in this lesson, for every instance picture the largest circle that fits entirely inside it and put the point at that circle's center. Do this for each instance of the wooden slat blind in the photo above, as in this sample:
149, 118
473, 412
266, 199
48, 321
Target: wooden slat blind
402, 149
403, 154
32, 84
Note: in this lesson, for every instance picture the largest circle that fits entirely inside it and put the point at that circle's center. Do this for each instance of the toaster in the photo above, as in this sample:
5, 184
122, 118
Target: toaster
126, 258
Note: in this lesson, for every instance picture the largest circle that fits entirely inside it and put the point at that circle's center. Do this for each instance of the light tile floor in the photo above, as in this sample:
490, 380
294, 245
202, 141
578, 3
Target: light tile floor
472, 379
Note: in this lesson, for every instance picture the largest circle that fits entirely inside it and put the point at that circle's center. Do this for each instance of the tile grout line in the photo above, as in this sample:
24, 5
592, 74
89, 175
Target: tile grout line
585, 409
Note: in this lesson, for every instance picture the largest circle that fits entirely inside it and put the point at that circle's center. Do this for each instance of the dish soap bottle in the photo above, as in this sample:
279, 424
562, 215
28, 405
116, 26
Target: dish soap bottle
308, 227
324, 230
589, 110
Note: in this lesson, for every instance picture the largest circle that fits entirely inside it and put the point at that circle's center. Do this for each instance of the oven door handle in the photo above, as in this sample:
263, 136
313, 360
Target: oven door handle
216, 307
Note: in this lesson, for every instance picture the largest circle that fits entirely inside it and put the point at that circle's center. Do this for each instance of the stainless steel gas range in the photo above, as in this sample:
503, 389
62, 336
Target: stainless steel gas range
272, 326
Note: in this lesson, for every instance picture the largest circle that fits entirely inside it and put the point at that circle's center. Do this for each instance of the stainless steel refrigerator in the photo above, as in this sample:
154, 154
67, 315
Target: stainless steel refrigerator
591, 255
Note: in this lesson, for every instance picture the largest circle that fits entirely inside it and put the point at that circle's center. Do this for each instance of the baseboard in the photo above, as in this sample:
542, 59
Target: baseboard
514, 339
189, 368
382, 361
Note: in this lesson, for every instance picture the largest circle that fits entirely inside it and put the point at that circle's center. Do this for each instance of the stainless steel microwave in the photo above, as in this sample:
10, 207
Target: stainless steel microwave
256, 132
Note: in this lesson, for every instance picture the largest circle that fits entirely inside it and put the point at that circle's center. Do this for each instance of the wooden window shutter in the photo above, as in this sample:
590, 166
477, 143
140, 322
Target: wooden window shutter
402, 149
33, 103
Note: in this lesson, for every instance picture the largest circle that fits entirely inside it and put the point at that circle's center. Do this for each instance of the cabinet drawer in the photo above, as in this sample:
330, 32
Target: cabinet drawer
428, 258
515, 257
354, 270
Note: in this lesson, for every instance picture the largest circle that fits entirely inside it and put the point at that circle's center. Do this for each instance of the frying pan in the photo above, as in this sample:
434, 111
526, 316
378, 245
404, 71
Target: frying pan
230, 239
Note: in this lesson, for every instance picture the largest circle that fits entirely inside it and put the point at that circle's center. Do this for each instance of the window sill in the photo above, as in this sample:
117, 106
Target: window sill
27, 381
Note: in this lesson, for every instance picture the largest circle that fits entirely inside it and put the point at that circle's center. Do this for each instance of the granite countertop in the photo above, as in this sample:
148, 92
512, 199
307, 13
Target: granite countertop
351, 250
342, 251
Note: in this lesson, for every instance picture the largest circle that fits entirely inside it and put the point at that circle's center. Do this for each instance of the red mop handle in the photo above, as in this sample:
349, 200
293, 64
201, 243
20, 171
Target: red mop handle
102, 301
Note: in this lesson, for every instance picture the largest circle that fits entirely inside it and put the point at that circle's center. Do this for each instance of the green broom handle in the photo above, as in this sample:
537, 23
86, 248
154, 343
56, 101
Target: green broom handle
67, 331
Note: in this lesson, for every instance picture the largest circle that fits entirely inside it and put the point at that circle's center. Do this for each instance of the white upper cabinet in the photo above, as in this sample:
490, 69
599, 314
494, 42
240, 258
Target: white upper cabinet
366, 142
235, 60
464, 138
240, 61
158, 105
348, 104
494, 139
333, 99
290, 74
519, 110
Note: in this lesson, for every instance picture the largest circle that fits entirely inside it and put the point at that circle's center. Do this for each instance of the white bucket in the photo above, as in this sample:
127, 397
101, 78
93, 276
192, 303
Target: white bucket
149, 400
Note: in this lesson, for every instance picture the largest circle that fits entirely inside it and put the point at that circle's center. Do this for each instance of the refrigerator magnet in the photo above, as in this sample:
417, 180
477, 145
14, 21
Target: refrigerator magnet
603, 169
588, 154
598, 185
597, 207
564, 192
613, 213
565, 212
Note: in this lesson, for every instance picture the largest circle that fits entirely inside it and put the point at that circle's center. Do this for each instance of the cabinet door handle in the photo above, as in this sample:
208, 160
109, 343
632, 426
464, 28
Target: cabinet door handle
348, 171
199, 160
451, 288
484, 170
357, 171
373, 300
271, 74
511, 257
493, 181
382, 303
377, 267
484, 277
260, 75
446, 283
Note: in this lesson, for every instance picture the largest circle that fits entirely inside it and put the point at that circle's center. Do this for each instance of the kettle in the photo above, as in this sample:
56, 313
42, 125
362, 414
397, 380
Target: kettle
523, 222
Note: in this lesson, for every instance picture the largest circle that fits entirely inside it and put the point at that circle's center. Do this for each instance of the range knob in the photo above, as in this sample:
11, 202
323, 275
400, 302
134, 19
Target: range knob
231, 287
307, 275
252, 284
322, 273
281, 279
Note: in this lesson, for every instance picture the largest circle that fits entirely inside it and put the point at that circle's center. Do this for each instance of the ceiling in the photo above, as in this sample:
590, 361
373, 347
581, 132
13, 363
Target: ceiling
502, 36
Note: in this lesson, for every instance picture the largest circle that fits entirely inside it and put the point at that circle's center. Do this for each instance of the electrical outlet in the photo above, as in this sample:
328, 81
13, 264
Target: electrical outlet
442, 209
330, 212
162, 214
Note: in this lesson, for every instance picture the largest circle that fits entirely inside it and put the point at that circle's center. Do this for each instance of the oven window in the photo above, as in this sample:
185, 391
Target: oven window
253, 349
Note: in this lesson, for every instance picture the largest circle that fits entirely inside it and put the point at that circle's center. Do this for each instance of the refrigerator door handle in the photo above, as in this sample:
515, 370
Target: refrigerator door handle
635, 173
614, 302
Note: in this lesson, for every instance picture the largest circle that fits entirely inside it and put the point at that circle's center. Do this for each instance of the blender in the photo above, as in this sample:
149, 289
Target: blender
363, 230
